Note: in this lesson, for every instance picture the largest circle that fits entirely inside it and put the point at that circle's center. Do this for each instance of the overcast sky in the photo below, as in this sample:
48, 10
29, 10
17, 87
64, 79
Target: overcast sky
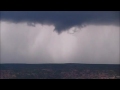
60, 37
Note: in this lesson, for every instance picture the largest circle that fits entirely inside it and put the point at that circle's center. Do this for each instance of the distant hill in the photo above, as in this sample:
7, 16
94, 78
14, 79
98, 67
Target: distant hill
60, 71
58, 66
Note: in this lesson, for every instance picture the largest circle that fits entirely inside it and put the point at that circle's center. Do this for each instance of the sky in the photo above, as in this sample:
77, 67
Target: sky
90, 37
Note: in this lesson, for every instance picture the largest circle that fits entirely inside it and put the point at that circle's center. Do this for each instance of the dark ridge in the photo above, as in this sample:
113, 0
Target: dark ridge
58, 66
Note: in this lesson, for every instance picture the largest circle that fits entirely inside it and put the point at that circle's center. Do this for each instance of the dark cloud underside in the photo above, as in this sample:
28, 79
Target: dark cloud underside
62, 19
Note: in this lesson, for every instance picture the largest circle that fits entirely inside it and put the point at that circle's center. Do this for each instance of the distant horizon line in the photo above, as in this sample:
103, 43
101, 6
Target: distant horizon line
53, 63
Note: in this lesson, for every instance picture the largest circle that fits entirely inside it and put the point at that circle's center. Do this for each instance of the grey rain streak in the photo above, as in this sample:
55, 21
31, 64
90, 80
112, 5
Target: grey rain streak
62, 20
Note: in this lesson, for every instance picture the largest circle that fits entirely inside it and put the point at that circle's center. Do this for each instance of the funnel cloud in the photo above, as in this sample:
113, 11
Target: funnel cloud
62, 20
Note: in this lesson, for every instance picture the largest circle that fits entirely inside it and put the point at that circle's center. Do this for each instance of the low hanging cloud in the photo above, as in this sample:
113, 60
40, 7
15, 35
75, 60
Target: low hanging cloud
62, 20
23, 43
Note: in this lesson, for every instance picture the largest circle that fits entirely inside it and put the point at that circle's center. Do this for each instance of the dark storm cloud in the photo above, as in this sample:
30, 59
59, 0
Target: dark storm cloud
62, 19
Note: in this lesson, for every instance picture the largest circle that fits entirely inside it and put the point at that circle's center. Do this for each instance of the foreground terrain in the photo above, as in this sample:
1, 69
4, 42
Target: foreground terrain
59, 71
